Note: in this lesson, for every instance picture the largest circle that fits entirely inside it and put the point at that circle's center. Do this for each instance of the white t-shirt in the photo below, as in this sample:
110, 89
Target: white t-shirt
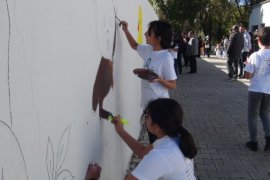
259, 64
160, 62
165, 161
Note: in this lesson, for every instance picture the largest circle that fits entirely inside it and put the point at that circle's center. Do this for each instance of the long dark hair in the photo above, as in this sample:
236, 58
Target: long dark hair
168, 115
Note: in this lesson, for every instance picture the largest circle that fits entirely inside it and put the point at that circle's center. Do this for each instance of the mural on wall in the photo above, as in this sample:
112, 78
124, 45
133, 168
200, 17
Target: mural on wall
12, 162
5, 44
12, 159
46, 78
55, 161
106, 39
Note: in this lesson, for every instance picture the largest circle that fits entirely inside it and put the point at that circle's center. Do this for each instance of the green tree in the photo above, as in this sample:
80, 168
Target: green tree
181, 13
214, 17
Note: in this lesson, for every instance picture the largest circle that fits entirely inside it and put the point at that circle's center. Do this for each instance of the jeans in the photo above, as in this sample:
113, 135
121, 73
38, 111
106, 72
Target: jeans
233, 71
258, 106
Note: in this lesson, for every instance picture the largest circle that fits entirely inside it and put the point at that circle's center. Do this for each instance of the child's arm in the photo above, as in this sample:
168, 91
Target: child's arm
171, 84
134, 145
133, 44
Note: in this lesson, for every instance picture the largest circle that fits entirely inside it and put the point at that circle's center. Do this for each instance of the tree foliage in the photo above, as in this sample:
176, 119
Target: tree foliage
214, 17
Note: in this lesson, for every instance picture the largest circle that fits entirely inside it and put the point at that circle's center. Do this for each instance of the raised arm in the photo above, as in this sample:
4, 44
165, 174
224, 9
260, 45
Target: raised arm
132, 42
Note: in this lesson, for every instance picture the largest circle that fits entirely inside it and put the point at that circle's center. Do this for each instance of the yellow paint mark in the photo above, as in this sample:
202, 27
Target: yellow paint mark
140, 23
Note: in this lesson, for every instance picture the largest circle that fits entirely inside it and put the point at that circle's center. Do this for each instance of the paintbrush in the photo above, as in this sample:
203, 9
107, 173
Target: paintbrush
118, 20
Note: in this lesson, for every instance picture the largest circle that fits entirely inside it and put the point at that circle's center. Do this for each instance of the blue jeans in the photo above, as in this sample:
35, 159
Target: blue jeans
258, 106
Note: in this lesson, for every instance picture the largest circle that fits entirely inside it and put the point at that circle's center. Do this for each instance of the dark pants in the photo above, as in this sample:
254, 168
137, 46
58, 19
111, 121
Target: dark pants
241, 62
178, 65
175, 66
185, 60
207, 52
193, 64
233, 66
179, 62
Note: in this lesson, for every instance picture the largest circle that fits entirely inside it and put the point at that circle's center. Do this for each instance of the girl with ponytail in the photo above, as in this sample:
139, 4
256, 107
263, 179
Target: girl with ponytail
171, 156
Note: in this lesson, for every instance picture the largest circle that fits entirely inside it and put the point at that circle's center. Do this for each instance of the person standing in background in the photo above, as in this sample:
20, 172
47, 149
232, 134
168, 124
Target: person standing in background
207, 47
176, 51
255, 41
245, 51
236, 44
200, 43
180, 52
184, 48
225, 46
192, 51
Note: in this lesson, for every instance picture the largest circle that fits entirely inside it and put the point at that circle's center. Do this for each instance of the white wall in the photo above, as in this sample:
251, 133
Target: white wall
260, 14
49, 56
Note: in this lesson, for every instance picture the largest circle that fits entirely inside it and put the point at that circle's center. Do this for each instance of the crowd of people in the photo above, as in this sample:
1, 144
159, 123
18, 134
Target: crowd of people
171, 148
185, 45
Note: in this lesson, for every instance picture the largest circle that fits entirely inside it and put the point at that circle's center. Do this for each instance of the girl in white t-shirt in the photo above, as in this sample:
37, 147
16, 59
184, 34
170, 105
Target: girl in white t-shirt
156, 58
171, 156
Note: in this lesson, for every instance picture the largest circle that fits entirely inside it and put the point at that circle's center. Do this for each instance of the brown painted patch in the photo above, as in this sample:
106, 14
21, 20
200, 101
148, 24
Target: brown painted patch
103, 83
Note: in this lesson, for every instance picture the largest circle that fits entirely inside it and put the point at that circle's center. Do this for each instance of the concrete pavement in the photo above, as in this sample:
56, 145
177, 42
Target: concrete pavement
216, 114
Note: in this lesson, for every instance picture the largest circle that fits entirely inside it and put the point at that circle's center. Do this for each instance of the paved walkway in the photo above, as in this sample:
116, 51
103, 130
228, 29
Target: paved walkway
216, 114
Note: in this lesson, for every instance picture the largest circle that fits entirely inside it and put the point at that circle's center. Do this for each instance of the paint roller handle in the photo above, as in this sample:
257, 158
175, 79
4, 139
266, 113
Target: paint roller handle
112, 119
118, 125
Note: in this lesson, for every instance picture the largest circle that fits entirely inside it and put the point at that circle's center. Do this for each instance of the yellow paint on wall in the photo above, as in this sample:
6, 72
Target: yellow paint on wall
140, 32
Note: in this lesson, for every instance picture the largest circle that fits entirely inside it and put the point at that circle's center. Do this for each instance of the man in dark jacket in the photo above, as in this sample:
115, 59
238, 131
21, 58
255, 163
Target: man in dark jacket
236, 44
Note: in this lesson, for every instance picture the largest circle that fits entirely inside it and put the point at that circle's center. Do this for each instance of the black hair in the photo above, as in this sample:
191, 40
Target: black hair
168, 115
163, 30
264, 36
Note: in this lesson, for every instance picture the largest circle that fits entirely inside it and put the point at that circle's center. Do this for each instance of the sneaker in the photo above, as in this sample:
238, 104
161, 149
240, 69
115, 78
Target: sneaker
231, 79
253, 146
